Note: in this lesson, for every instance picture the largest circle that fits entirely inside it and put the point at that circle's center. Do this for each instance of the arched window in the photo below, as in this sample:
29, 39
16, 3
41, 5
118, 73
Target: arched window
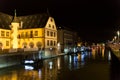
31, 44
1, 46
39, 44
24, 45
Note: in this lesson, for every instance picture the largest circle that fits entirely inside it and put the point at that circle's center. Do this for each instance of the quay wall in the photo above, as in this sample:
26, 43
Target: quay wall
12, 59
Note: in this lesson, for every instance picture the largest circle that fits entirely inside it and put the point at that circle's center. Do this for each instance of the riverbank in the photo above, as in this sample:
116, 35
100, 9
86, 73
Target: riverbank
115, 49
11, 59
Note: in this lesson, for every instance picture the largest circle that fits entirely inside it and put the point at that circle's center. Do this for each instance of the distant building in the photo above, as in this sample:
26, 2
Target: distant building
67, 38
31, 32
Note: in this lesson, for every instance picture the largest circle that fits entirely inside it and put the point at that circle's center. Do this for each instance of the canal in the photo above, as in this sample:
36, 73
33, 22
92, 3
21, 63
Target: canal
95, 65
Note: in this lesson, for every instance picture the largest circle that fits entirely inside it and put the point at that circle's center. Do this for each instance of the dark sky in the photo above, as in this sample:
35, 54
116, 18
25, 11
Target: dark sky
95, 20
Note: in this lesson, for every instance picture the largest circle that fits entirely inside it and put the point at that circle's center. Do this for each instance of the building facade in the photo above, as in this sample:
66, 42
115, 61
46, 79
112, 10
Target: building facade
67, 39
30, 33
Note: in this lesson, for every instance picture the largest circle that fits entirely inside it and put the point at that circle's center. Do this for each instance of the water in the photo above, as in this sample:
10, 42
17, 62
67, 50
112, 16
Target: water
95, 65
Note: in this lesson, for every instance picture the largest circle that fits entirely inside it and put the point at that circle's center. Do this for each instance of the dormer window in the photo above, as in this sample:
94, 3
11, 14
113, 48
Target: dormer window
51, 20
53, 26
49, 25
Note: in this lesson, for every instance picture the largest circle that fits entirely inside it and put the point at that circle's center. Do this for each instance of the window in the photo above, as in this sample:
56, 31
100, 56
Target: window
53, 26
51, 20
26, 34
2, 33
54, 34
47, 33
36, 33
49, 25
22, 35
7, 43
31, 44
47, 42
31, 34
18, 36
51, 33
51, 43
54, 43
7, 34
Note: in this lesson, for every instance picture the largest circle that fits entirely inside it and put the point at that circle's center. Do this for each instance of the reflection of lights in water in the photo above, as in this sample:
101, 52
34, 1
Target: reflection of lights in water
109, 55
40, 73
103, 52
29, 61
50, 65
75, 58
70, 62
89, 54
93, 53
70, 59
58, 62
27, 67
65, 50
82, 63
82, 57
79, 57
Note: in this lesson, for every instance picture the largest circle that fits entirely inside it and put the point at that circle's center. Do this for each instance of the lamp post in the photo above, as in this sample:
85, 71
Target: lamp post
118, 33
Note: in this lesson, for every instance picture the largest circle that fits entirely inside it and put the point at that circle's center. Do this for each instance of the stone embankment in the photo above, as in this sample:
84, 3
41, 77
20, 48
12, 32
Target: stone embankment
115, 49
11, 59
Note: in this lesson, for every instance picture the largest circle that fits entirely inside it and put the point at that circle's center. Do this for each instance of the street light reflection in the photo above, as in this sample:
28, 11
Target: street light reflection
58, 62
28, 67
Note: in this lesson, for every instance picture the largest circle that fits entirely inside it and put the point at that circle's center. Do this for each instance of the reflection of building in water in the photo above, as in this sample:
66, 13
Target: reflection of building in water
50, 73
58, 63
103, 51
93, 53
70, 62
22, 75
109, 56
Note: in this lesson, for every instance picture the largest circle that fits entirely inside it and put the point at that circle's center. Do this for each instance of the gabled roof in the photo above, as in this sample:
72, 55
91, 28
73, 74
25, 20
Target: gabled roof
29, 21
34, 21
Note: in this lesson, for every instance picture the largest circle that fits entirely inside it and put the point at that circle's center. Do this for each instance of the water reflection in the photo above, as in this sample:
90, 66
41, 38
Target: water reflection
85, 65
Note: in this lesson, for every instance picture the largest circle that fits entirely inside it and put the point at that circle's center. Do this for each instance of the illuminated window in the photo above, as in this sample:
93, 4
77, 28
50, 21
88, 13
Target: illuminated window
36, 33
26, 34
47, 42
54, 43
51, 33
22, 35
51, 20
53, 26
7, 43
51, 43
18, 36
49, 25
7, 34
2, 33
47, 33
31, 34
54, 34
31, 44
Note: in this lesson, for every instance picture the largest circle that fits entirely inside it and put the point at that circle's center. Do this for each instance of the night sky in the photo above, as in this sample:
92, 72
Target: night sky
94, 20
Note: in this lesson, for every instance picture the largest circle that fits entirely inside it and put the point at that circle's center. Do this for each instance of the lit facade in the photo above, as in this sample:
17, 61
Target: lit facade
31, 32
67, 38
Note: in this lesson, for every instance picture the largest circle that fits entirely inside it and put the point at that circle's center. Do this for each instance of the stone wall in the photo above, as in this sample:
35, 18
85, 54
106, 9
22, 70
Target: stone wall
12, 59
